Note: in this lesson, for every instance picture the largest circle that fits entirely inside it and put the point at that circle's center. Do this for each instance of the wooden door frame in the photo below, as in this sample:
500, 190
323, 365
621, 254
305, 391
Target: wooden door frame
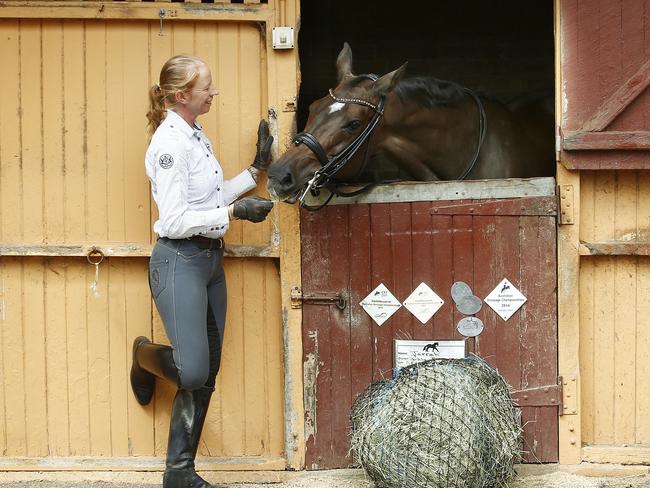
568, 276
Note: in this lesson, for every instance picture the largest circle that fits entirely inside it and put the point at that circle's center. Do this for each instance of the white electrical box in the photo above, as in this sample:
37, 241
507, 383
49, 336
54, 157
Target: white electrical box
283, 38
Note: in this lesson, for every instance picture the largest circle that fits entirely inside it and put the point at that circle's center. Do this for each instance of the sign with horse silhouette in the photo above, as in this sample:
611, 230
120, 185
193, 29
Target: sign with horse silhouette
371, 128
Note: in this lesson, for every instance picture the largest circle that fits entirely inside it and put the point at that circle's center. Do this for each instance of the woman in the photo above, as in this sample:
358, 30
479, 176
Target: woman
186, 274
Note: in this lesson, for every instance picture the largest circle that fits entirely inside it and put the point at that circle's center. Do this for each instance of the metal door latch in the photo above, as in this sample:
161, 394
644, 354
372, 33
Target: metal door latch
541, 396
298, 297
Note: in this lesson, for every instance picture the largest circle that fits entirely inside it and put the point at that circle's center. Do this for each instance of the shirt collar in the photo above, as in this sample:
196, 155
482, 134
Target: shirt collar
180, 123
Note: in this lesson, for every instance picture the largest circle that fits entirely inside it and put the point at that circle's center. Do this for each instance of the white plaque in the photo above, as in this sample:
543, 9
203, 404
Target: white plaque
470, 326
411, 352
380, 304
505, 299
423, 303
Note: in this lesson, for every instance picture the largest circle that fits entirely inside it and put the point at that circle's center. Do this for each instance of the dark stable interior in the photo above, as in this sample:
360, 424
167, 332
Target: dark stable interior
501, 48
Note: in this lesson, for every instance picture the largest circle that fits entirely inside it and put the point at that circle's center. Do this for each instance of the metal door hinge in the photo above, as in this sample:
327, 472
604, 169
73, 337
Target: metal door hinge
570, 397
298, 297
566, 205
541, 396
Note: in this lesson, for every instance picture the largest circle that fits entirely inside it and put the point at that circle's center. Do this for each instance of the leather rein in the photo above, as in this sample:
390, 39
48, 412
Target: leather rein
329, 167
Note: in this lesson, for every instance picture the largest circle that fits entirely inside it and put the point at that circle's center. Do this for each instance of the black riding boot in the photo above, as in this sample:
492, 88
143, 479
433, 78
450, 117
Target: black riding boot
148, 360
188, 415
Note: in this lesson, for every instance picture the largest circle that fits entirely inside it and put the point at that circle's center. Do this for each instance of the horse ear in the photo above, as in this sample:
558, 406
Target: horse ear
386, 83
344, 62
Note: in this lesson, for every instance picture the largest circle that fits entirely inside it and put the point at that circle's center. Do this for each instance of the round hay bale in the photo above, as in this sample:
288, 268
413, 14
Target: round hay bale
439, 423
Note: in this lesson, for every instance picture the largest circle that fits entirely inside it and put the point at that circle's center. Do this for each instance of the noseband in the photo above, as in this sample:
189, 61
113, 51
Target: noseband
329, 167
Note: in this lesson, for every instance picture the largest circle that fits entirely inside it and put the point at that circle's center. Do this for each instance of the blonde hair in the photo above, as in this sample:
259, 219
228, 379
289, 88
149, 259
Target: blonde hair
178, 74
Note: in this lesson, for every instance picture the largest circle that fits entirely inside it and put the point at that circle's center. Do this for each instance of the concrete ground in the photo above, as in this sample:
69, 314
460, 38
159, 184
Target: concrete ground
536, 477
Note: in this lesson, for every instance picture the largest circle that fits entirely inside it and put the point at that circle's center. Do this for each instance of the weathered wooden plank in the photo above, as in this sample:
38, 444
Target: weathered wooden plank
607, 160
642, 372
538, 330
621, 98
13, 364
138, 323
463, 261
380, 235
34, 351
340, 381
310, 362
56, 358
516, 206
26, 9
625, 324
274, 368
422, 262
76, 316
30, 95
115, 249
74, 132
120, 358
615, 248
254, 360
135, 75
96, 67
609, 140
448, 190
99, 367
487, 276
317, 345
586, 313
52, 131
442, 274
116, 464
232, 374
614, 454
115, 187
10, 150
402, 262
361, 325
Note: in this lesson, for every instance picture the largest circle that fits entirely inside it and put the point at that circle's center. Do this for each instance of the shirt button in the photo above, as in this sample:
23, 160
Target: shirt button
218, 189
216, 172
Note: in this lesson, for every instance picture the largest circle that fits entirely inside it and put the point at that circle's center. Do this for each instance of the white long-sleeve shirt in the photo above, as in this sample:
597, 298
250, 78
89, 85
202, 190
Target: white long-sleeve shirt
187, 182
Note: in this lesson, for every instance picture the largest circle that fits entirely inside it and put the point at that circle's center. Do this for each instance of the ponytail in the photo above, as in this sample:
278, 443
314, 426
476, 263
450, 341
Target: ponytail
156, 112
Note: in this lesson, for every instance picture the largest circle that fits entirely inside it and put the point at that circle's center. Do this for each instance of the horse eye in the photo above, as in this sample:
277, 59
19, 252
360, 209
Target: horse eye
352, 125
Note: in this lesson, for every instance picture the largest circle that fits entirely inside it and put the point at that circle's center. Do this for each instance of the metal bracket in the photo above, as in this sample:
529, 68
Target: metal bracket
541, 396
298, 297
566, 205
570, 397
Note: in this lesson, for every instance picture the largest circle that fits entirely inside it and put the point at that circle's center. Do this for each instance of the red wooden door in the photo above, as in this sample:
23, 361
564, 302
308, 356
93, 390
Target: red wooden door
350, 249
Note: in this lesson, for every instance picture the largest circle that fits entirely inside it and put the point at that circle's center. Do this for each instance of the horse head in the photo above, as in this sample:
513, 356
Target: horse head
334, 123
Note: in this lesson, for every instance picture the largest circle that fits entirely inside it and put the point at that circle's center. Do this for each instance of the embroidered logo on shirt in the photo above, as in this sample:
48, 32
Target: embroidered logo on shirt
166, 161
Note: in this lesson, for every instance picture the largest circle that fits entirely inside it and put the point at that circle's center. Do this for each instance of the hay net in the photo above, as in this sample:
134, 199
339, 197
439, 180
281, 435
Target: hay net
442, 423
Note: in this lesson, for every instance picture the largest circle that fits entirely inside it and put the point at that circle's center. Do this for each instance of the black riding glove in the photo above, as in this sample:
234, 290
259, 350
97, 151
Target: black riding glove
264, 143
253, 209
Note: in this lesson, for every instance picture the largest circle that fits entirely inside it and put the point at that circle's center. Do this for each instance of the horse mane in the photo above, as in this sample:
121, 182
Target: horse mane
429, 92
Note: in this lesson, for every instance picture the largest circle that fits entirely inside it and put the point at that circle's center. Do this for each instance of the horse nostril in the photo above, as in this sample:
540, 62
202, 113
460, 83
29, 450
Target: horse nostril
287, 181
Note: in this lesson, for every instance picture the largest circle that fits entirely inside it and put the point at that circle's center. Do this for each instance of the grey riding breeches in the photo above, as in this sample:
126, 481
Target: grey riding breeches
189, 288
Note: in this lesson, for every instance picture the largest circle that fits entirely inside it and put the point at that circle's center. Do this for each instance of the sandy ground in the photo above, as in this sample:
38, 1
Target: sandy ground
321, 479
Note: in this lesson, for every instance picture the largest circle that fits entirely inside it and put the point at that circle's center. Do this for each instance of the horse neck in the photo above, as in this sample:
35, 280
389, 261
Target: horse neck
430, 137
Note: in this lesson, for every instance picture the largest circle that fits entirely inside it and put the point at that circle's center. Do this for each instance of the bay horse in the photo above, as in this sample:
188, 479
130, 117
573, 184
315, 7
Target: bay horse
373, 128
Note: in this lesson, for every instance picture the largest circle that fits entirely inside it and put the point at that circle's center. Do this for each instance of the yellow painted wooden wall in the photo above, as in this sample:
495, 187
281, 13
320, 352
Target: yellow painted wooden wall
72, 139
615, 310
